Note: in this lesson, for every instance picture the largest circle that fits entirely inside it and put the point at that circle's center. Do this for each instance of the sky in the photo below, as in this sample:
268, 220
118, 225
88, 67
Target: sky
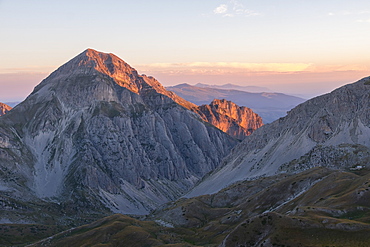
299, 47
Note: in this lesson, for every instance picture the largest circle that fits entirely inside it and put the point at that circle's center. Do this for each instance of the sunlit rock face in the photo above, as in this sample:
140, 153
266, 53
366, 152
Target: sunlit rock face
99, 135
227, 116
4, 108
322, 127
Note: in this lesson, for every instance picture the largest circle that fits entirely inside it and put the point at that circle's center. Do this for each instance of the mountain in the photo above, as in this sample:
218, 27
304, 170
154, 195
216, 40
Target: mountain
251, 89
270, 106
230, 118
96, 137
311, 135
4, 108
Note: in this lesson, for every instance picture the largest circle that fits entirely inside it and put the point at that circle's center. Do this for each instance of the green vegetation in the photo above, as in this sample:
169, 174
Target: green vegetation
22, 234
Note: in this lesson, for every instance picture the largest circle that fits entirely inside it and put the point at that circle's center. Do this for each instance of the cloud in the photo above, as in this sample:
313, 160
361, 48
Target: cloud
237, 8
220, 9
359, 14
347, 13
242, 69
364, 21
341, 13
219, 68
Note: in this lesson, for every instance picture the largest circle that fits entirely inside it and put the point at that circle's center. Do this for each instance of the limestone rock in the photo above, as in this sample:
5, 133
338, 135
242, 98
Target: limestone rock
4, 108
227, 116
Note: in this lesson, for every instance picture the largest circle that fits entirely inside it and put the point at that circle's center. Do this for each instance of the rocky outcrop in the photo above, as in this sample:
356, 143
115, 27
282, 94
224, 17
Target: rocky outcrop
4, 108
340, 117
99, 135
227, 116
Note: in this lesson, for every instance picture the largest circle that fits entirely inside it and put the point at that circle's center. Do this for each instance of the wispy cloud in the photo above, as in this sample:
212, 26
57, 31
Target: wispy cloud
220, 9
361, 16
221, 68
340, 13
234, 68
234, 8
364, 21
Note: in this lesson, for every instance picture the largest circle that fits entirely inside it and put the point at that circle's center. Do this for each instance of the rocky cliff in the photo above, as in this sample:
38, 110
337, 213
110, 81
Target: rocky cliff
4, 108
341, 117
227, 116
97, 135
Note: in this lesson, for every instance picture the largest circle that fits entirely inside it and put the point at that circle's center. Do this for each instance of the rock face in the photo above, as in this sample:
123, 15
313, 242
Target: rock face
96, 134
318, 126
230, 118
4, 108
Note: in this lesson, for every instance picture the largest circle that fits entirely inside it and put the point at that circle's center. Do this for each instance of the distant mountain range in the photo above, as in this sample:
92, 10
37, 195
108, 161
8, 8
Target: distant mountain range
270, 106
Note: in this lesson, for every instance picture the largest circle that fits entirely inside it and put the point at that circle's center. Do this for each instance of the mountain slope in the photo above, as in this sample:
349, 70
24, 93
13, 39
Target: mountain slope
4, 108
340, 117
230, 118
270, 106
99, 136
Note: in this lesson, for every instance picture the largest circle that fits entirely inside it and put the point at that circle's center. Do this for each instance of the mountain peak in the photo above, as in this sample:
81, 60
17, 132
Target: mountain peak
106, 63
95, 75
92, 63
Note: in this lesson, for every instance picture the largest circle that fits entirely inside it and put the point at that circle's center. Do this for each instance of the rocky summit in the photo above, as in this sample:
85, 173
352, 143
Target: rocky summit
4, 108
95, 136
227, 116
